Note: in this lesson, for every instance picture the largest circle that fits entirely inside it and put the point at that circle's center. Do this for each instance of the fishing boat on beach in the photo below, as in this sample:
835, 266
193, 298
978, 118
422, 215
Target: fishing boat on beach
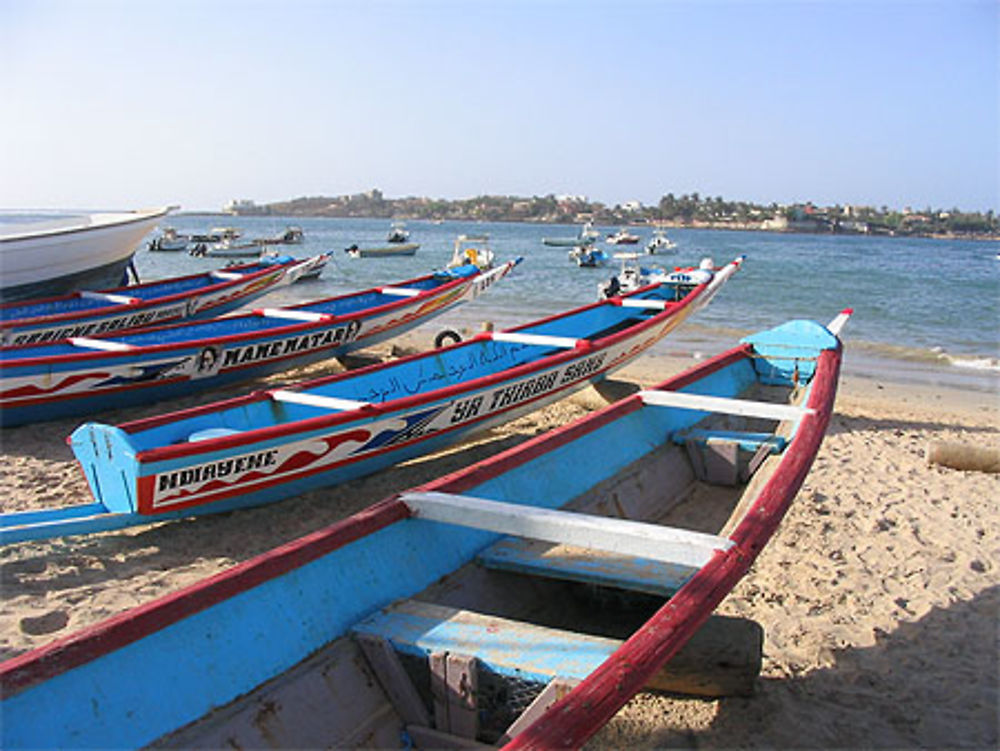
274, 444
55, 257
197, 296
85, 374
519, 602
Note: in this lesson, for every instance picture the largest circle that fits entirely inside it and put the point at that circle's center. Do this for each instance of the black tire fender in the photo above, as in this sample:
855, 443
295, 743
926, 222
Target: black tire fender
445, 338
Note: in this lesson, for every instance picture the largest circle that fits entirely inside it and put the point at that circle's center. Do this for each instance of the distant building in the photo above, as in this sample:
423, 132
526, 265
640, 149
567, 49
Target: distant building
633, 207
241, 206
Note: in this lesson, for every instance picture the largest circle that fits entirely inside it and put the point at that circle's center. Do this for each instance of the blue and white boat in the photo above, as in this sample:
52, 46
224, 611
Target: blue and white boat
519, 602
197, 296
270, 445
82, 375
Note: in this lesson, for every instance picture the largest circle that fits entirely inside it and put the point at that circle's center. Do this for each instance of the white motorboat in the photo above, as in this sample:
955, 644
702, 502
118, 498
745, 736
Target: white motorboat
622, 237
659, 242
56, 257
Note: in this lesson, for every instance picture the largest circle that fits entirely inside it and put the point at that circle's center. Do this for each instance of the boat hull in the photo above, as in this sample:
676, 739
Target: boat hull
307, 596
61, 380
153, 304
60, 257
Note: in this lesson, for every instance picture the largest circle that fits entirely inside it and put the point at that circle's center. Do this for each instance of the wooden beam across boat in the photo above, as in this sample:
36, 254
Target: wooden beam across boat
652, 541
723, 405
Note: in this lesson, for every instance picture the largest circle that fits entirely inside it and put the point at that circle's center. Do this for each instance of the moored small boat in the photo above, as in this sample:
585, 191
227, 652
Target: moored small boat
588, 235
85, 374
169, 242
587, 256
270, 445
398, 233
622, 237
41, 259
400, 249
521, 601
659, 242
197, 296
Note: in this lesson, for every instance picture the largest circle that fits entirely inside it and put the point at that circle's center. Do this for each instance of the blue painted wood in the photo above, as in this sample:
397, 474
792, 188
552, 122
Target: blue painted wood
71, 520
748, 441
511, 648
590, 567
208, 659
786, 354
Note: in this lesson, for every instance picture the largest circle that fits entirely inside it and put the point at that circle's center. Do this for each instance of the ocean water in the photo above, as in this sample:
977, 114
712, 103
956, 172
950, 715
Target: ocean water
924, 310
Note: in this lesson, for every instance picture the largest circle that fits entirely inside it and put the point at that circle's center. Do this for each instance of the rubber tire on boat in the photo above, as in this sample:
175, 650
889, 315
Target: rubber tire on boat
446, 337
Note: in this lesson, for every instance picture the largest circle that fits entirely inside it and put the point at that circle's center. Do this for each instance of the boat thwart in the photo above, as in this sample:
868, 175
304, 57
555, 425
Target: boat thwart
521, 601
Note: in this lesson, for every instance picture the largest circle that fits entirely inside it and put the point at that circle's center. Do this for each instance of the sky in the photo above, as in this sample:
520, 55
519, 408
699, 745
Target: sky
118, 105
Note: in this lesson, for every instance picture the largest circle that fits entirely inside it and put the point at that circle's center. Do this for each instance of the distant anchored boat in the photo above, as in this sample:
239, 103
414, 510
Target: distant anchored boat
55, 257
399, 249
587, 236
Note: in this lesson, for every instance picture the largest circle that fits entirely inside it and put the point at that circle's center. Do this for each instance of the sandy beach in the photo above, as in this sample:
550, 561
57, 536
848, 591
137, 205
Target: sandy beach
879, 595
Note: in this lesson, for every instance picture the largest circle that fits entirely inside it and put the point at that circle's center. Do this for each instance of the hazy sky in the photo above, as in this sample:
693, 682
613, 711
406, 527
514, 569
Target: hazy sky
139, 103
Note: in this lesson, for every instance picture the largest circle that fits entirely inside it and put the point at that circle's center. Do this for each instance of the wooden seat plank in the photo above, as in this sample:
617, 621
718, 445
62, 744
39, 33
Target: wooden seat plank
721, 661
572, 563
667, 544
724, 405
542, 340
316, 400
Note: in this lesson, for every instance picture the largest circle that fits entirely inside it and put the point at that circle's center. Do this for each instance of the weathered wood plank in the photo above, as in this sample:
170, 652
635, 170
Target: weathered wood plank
556, 689
668, 544
572, 563
723, 659
393, 678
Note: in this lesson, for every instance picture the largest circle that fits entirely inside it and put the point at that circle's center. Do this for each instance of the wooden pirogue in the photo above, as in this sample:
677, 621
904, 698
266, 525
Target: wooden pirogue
83, 375
191, 297
270, 445
454, 613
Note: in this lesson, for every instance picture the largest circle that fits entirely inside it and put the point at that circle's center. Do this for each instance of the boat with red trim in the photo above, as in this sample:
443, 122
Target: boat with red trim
82, 375
192, 297
520, 601
270, 445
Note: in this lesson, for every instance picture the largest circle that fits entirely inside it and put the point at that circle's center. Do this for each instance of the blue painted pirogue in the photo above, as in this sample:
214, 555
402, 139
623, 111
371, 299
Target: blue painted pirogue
83, 375
541, 565
164, 301
274, 444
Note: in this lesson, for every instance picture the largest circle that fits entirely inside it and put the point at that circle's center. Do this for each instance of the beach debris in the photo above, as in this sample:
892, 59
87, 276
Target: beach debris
964, 456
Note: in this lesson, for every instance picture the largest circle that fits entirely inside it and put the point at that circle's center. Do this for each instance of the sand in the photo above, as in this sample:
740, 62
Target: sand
879, 595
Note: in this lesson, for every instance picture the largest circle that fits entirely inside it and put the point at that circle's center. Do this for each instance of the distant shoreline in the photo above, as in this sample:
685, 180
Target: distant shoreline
668, 224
